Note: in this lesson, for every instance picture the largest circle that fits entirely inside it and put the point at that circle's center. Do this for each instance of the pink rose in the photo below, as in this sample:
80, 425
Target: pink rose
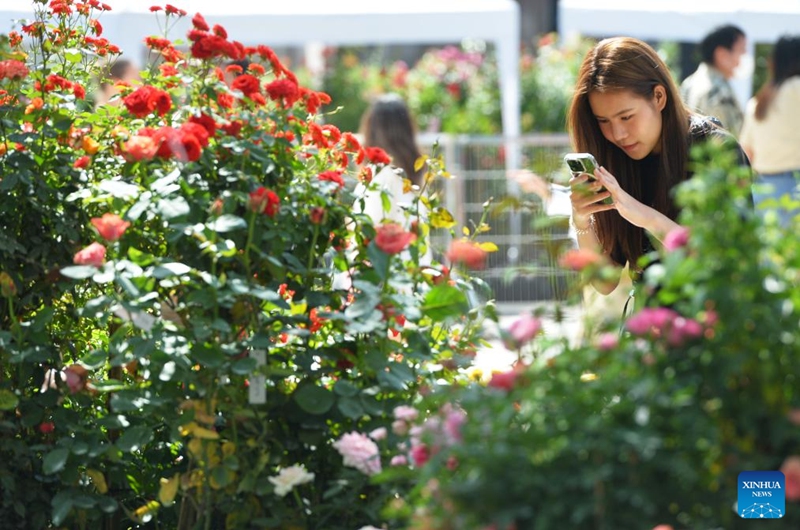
406, 413
359, 452
467, 252
420, 454
651, 320
504, 380
607, 341
791, 470
94, 254
676, 238
110, 226
683, 329
663, 527
524, 329
379, 434
399, 460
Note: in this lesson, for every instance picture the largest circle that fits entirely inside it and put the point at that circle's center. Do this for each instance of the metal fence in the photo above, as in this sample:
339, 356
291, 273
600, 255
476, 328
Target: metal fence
525, 267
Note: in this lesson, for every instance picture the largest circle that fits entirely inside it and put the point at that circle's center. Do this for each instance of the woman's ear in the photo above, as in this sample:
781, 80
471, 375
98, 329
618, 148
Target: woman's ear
660, 97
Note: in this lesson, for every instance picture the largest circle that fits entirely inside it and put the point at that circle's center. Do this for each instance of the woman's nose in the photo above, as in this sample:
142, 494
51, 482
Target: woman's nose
620, 132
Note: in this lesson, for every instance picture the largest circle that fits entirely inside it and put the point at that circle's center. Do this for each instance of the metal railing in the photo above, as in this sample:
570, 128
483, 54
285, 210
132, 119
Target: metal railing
525, 268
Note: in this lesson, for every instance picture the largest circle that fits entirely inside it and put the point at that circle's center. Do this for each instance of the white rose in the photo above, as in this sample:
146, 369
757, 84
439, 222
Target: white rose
289, 477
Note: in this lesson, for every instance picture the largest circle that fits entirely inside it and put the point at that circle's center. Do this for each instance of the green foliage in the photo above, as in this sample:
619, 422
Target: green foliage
653, 426
171, 337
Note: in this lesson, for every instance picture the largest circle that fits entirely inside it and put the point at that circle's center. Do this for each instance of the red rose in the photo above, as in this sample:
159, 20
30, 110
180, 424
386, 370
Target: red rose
94, 254
332, 176
185, 146
283, 90
200, 23
162, 102
317, 215
264, 201
392, 238
82, 162
139, 102
376, 155
46, 427
197, 130
247, 84
110, 226
11, 69
207, 123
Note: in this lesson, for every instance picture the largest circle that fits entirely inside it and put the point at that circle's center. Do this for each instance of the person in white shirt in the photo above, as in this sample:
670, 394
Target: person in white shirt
771, 132
388, 124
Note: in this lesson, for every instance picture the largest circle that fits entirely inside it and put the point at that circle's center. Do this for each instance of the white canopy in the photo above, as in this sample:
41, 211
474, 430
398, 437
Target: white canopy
682, 20
354, 22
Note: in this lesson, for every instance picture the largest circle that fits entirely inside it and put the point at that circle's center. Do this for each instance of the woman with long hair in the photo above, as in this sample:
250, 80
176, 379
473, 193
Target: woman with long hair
387, 124
770, 135
627, 112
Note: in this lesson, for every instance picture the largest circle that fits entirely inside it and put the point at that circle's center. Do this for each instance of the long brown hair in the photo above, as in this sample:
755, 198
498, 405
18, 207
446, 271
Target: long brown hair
624, 63
387, 124
784, 63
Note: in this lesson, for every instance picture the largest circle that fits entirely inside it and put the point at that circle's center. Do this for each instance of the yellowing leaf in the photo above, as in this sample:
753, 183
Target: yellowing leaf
193, 429
488, 246
419, 162
465, 231
407, 186
299, 309
168, 489
228, 449
144, 513
99, 480
441, 218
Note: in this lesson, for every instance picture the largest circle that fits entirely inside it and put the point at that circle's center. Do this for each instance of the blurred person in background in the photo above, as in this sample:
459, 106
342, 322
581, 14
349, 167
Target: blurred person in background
708, 90
771, 132
120, 72
388, 124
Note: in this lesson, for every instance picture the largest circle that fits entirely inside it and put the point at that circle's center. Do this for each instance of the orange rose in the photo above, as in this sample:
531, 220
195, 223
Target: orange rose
110, 226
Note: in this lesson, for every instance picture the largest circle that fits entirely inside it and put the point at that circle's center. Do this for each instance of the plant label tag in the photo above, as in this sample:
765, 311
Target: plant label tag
257, 391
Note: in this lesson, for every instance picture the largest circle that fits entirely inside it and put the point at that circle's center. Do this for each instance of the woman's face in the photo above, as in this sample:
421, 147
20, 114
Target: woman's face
629, 121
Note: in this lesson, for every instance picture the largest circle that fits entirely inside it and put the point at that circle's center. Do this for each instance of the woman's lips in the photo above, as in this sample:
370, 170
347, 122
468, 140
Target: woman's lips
630, 147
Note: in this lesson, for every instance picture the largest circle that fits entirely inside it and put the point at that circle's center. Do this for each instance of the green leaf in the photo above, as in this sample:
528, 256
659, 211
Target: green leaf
72, 55
134, 438
171, 208
379, 259
94, 359
398, 376
62, 504
8, 400
55, 460
166, 270
345, 388
351, 407
445, 301
244, 366
314, 399
119, 189
79, 272
227, 223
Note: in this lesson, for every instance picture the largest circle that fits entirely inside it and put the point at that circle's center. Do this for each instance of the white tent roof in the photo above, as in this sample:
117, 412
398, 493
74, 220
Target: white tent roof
299, 22
681, 20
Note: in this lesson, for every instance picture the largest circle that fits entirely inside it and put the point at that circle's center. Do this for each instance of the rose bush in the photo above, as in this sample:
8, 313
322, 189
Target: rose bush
645, 428
173, 350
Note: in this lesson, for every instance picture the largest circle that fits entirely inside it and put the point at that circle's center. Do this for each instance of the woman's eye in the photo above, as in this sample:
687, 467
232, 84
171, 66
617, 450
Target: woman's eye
626, 118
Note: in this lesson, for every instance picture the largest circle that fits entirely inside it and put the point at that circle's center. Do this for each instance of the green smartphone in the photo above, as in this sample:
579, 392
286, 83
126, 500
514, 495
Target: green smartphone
584, 163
